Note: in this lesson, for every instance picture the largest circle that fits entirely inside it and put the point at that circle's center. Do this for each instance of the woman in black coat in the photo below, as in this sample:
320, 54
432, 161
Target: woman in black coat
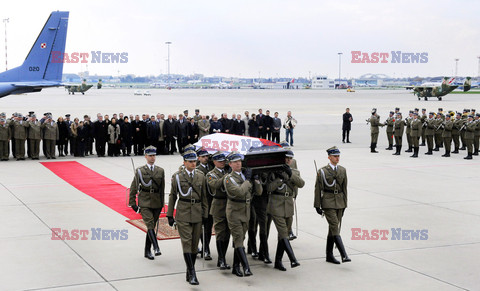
62, 135
253, 126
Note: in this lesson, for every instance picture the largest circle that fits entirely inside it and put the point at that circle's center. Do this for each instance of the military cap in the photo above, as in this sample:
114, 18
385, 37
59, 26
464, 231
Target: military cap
218, 156
440, 114
416, 109
440, 109
415, 113
470, 116
197, 110
459, 113
284, 144
397, 108
202, 152
473, 110
67, 115
189, 156
185, 111
289, 154
15, 114
234, 156
19, 115
374, 110
2, 119
3, 114
49, 116
411, 111
45, 114
150, 151
391, 112
189, 147
423, 109
466, 110
333, 151
477, 114
31, 112
399, 113
448, 116
33, 115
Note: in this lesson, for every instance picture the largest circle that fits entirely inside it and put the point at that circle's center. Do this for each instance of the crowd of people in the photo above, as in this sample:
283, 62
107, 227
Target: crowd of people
125, 135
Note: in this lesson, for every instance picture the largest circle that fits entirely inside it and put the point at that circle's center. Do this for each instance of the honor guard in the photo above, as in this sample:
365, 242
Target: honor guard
469, 136
429, 132
203, 166
389, 123
447, 135
416, 131
398, 133
5, 136
476, 138
457, 125
218, 207
20, 136
149, 183
34, 137
408, 131
281, 207
374, 121
189, 187
437, 132
423, 118
240, 190
331, 200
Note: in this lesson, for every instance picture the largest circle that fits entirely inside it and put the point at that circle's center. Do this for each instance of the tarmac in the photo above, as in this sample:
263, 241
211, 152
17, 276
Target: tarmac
435, 196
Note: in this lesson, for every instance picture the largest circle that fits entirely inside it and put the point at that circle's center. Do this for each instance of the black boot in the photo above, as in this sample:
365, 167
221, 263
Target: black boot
409, 150
397, 152
278, 257
329, 251
225, 248
455, 151
422, 144
206, 244
243, 259
390, 147
236, 264
148, 246
252, 246
372, 148
153, 240
288, 249
221, 257
463, 148
436, 149
429, 152
415, 153
341, 249
264, 254
291, 236
447, 154
191, 274
468, 157
475, 152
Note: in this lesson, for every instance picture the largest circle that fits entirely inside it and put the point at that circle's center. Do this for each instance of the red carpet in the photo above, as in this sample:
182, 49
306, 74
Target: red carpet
101, 188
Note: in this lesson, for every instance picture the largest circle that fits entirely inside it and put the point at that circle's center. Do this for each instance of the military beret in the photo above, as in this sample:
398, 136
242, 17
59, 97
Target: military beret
218, 156
189, 156
289, 154
234, 156
150, 151
189, 147
202, 152
333, 151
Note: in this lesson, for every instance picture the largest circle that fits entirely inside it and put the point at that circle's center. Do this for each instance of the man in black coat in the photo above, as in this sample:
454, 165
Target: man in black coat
100, 135
153, 132
139, 135
261, 128
192, 131
238, 127
267, 125
347, 125
182, 133
126, 131
170, 132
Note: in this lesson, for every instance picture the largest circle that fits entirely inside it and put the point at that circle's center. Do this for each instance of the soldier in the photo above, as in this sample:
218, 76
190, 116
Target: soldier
331, 200
438, 133
457, 124
50, 136
20, 135
374, 121
423, 118
416, 129
469, 136
149, 183
398, 133
5, 136
429, 132
203, 127
239, 190
408, 122
197, 115
476, 138
203, 166
281, 208
389, 123
189, 186
34, 136
218, 207
447, 135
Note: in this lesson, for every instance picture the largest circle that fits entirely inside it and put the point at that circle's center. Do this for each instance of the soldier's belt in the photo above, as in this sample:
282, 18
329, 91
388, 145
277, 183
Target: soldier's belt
223, 198
332, 191
286, 194
192, 201
239, 200
149, 190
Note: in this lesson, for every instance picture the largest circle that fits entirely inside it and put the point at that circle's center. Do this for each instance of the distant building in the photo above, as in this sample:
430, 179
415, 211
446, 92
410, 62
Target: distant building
322, 82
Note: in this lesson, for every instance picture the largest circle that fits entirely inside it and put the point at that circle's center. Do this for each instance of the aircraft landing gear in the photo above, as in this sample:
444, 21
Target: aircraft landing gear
439, 98
83, 93
426, 98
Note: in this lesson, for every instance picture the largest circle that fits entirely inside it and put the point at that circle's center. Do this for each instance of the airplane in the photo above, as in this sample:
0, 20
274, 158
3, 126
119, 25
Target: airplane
38, 71
437, 90
79, 88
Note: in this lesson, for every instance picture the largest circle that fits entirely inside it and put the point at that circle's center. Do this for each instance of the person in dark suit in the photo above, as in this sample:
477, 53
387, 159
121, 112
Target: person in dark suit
126, 131
347, 125
192, 131
182, 134
170, 131
215, 125
268, 125
253, 126
139, 133
238, 127
261, 128
153, 131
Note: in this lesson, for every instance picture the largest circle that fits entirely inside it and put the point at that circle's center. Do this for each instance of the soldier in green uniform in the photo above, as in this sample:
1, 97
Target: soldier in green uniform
438, 132
416, 130
389, 123
189, 186
203, 166
5, 136
408, 131
50, 136
281, 208
470, 126
399, 127
240, 190
34, 136
462, 132
447, 135
218, 207
331, 200
423, 118
457, 124
429, 132
20, 135
374, 121
476, 138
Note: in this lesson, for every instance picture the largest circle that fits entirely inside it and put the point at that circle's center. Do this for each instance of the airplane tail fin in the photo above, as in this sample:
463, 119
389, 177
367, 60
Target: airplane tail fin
467, 85
45, 59
447, 82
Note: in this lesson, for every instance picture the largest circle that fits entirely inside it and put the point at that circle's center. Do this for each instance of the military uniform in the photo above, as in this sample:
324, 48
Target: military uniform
331, 199
469, 136
50, 136
457, 125
281, 208
5, 136
476, 138
149, 183
423, 119
390, 123
429, 132
34, 137
408, 131
416, 130
399, 127
20, 135
374, 121
208, 225
438, 132
447, 136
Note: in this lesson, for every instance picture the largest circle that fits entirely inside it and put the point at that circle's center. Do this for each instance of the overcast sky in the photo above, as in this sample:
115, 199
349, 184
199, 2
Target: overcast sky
256, 38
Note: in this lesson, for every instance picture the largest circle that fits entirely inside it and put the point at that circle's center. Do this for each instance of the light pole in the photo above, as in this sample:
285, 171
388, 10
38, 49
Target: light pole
339, 68
456, 67
478, 76
6, 20
168, 43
